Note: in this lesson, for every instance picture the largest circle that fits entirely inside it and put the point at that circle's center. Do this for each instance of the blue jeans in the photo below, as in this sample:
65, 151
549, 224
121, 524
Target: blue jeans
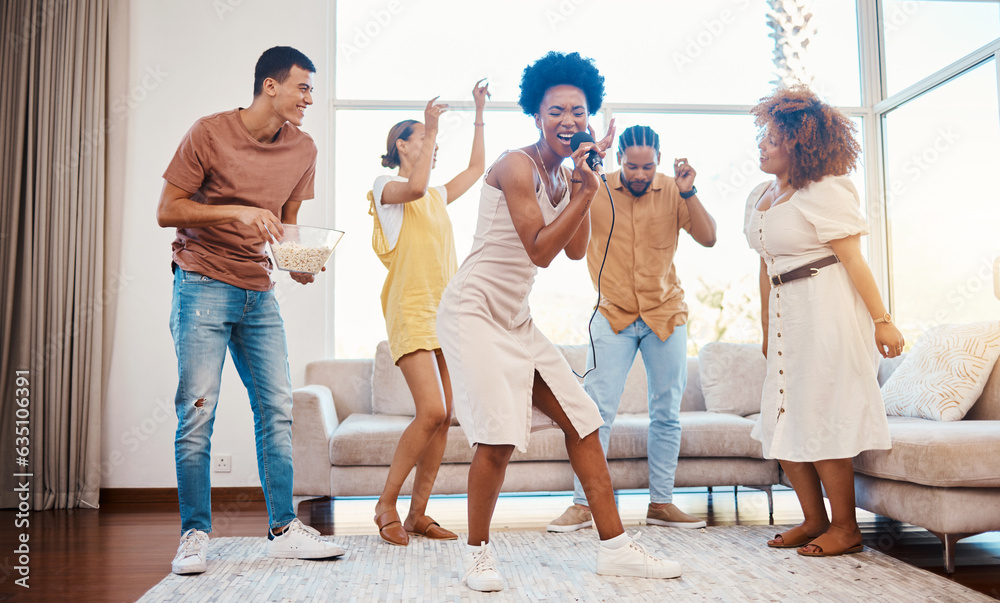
206, 317
666, 378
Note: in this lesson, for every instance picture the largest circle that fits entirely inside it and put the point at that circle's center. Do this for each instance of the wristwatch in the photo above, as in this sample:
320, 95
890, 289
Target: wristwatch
690, 193
886, 318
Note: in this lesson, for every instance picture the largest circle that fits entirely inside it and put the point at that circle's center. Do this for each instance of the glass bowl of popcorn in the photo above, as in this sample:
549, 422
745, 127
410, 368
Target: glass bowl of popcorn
304, 248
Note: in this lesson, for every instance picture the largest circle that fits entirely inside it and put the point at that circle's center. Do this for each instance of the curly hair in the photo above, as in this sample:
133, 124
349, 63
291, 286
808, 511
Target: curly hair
554, 69
819, 138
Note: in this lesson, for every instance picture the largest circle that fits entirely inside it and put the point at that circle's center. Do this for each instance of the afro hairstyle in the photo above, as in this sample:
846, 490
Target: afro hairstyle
554, 69
819, 138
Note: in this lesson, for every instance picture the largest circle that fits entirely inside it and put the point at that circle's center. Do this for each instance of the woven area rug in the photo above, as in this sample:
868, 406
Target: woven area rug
720, 564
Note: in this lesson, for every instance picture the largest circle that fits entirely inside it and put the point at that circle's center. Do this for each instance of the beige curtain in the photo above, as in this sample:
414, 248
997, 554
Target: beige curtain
53, 127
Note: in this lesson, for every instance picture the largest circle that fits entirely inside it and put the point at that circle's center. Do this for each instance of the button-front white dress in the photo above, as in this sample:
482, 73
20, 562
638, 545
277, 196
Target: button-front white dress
821, 398
492, 345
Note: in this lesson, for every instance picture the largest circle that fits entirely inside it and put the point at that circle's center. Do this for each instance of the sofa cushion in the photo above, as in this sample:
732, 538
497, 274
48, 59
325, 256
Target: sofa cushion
713, 434
732, 377
987, 407
932, 453
371, 440
945, 372
390, 394
363, 439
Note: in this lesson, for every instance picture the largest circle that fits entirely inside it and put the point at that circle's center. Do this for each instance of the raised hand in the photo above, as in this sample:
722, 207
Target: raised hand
683, 174
480, 94
605, 143
432, 112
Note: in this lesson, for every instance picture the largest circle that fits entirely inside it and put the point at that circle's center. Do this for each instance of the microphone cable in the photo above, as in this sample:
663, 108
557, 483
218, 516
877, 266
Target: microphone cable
600, 271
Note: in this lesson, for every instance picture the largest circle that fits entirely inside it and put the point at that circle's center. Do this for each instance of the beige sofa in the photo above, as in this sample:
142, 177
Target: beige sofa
941, 476
349, 417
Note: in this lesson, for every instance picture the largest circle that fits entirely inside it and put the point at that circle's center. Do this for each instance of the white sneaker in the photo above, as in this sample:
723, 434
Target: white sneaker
191, 554
633, 560
574, 518
481, 570
300, 541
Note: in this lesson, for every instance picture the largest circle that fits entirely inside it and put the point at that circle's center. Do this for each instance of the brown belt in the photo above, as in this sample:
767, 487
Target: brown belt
810, 269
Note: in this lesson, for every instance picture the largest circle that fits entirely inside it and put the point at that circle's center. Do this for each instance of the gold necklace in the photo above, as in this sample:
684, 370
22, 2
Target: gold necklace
776, 193
552, 198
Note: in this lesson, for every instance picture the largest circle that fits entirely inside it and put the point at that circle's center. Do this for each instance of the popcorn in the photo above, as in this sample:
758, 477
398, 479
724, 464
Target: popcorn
296, 257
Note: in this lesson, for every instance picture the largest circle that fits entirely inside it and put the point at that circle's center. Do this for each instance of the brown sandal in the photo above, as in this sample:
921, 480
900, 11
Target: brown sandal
391, 529
790, 545
820, 552
428, 528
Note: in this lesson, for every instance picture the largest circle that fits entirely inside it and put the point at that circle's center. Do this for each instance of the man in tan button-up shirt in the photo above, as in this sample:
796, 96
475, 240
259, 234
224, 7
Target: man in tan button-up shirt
642, 309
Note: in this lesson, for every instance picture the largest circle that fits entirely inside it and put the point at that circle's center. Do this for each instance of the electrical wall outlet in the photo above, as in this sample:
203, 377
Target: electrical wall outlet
222, 463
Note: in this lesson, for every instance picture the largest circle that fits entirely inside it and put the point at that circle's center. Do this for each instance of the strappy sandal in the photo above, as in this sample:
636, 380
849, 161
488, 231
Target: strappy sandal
391, 529
428, 528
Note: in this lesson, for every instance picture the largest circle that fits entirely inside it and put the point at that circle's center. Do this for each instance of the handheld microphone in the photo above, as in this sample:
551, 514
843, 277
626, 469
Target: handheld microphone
593, 159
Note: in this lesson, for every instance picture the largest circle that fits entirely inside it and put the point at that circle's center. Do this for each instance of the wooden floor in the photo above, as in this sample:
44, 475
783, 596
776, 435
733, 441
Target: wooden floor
122, 550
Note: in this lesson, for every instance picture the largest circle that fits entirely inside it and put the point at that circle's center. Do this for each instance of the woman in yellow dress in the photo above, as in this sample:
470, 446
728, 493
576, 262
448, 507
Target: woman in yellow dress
413, 238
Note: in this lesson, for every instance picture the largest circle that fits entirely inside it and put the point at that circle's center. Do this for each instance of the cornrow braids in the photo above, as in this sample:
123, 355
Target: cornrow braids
638, 136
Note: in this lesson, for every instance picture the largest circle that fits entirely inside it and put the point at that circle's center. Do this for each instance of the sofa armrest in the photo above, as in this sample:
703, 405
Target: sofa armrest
314, 419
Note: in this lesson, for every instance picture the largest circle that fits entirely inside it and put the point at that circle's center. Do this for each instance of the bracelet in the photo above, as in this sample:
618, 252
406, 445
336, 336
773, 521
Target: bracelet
479, 123
690, 193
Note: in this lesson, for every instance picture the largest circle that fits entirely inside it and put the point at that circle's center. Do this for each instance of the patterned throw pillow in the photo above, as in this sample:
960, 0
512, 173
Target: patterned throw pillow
944, 374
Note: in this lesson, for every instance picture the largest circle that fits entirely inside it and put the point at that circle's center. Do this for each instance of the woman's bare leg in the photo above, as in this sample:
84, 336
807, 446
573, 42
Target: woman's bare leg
429, 462
807, 487
420, 369
588, 460
837, 476
486, 473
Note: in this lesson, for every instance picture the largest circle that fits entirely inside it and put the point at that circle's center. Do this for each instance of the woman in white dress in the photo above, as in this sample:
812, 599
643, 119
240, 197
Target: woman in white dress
506, 375
824, 321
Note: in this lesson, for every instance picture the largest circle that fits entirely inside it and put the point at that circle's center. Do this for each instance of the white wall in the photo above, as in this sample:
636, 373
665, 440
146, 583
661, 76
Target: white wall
190, 58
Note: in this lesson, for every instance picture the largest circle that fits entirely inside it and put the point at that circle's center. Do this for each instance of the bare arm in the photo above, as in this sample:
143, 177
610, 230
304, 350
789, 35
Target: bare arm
417, 181
177, 210
461, 183
887, 337
543, 242
576, 249
765, 295
702, 223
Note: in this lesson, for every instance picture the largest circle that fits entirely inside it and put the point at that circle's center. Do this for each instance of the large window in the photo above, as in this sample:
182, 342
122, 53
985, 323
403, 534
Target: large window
941, 143
942, 149
691, 75
924, 36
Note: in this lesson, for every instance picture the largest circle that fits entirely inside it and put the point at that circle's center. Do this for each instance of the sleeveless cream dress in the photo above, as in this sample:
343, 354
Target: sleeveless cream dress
492, 345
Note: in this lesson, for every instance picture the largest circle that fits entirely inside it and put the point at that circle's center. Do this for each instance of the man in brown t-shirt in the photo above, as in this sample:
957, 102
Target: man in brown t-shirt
237, 176
642, 309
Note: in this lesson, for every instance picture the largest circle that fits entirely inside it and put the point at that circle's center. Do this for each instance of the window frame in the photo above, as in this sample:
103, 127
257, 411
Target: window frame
872, 112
